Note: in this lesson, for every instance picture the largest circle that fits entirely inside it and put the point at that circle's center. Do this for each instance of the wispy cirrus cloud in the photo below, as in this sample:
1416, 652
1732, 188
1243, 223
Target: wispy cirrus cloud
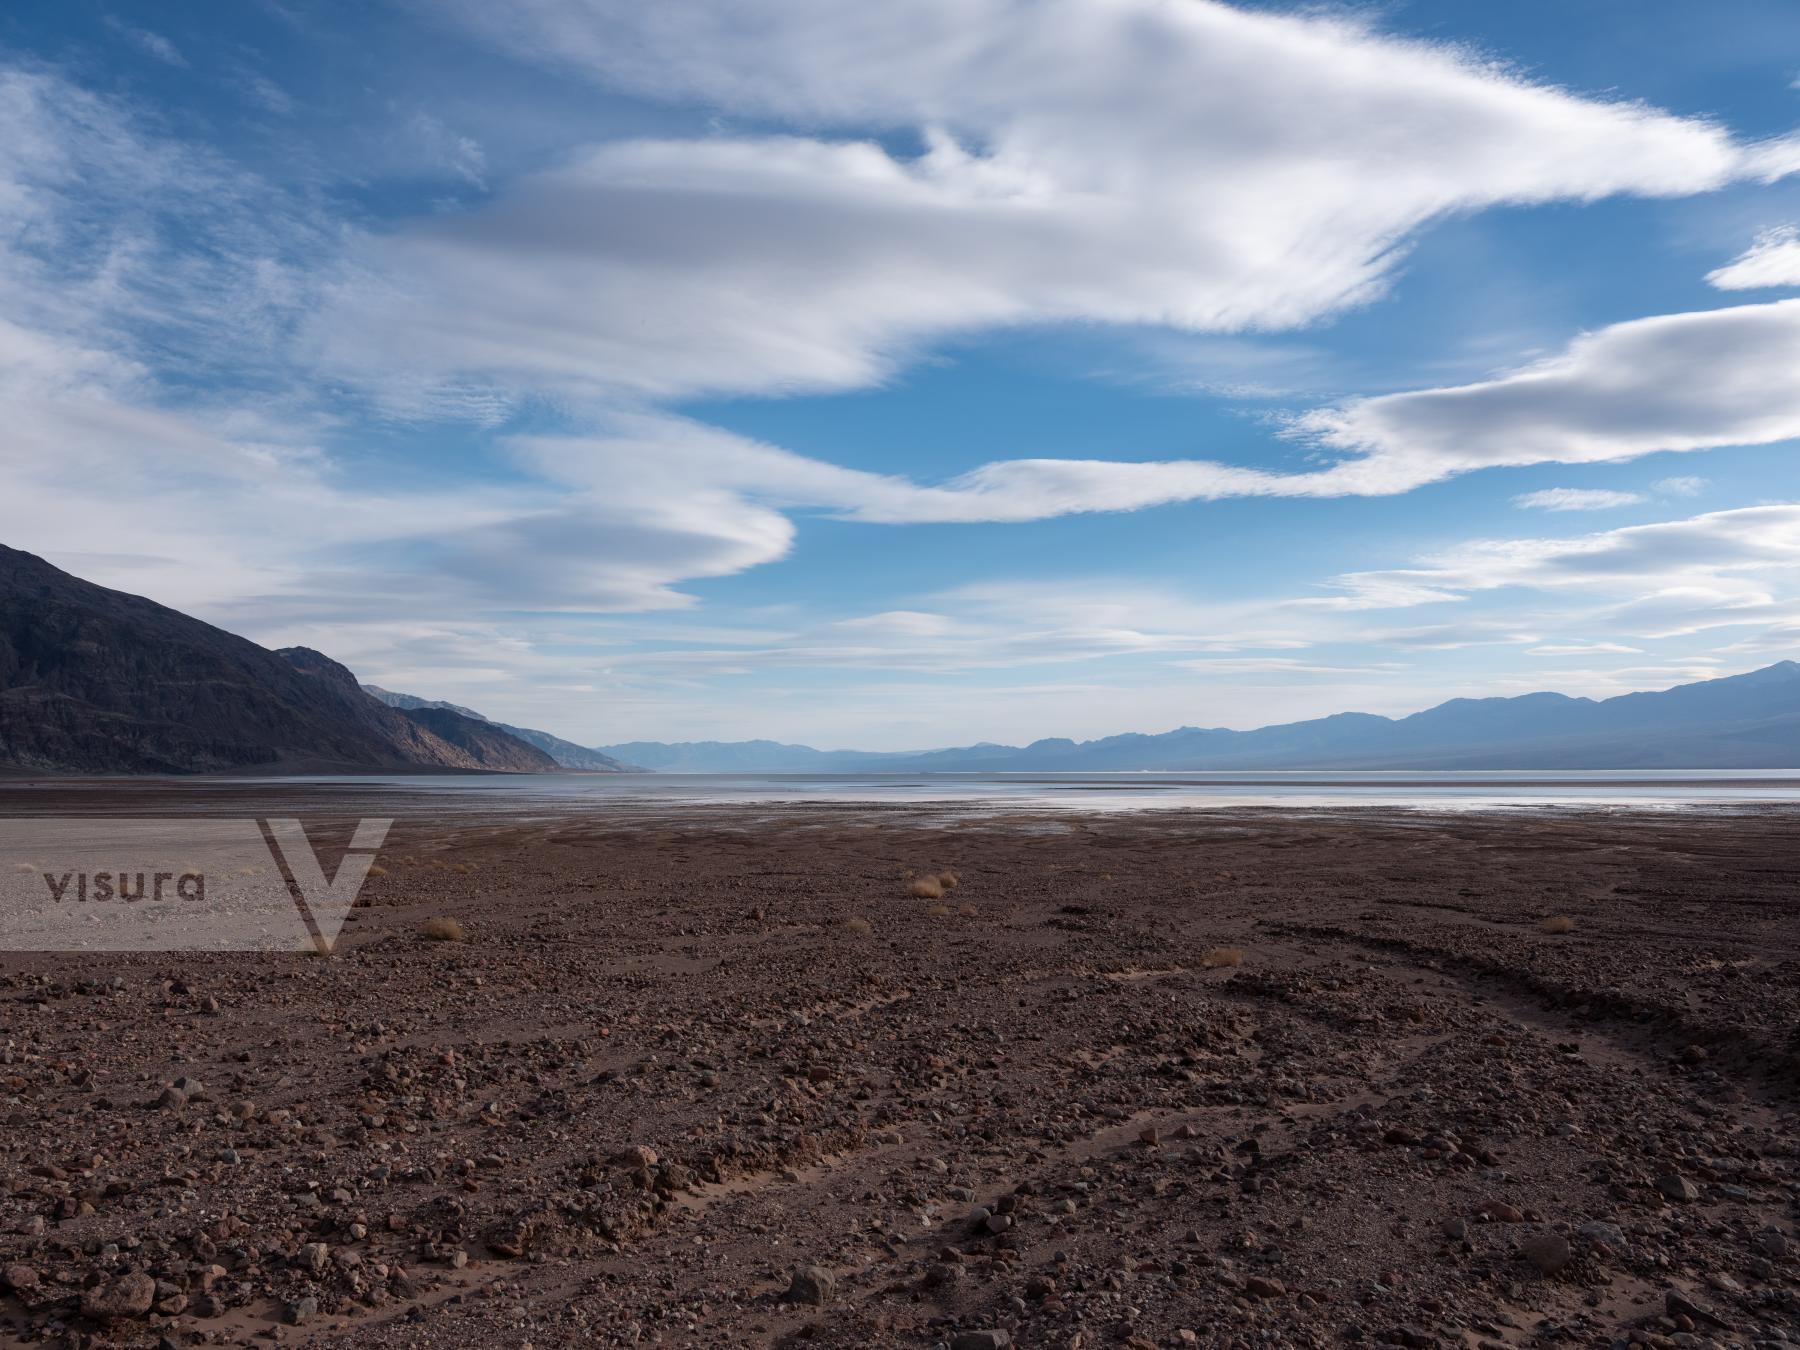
1575, 499
1772, 261
1681, 485
1583, 649
1720, 560
149, 42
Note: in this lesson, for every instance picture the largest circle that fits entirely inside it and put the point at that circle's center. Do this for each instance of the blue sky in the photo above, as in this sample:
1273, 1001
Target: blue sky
910, 375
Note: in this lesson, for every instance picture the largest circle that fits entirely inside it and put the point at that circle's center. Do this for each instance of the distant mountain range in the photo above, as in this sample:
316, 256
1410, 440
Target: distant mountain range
98, 681
1734, 722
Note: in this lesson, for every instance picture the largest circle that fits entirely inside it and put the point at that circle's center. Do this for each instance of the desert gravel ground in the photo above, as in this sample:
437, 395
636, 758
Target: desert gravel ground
719, 1077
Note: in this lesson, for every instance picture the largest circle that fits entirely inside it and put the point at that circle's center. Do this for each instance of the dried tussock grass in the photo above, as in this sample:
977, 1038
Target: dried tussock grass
1560, 923
948, 879
939, 911
858, 926
1217, 958
443, 930
377, 870
926, 888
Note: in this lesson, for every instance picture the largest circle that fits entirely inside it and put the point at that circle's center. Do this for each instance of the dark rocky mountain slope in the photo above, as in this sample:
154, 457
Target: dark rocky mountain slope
99, 681
567, 754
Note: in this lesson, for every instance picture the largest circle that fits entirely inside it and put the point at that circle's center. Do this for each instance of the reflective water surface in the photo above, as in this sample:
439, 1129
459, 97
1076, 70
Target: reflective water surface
558, 794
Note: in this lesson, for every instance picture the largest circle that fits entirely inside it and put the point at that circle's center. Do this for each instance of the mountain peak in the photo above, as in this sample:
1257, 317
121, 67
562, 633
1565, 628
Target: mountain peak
310, 662
1778, 673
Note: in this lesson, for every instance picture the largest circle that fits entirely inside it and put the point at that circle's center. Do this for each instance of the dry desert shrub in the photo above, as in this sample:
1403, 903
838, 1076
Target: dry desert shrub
1561, 923
948, 879
939, 911
926, 888
967, 911
858, 927
443, 930
1215, 958
378, 870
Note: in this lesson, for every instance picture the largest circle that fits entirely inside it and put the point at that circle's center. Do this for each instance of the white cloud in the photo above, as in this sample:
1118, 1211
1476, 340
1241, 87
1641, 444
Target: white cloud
152, 44
125, 259
439, 145
1575, 499
1188, 165
1582, 649
1284, 666
1773, 260
644, 270
1674, 575
262, 91
651, 455
1456, 635
1683, 485
1784, 637
1674, 382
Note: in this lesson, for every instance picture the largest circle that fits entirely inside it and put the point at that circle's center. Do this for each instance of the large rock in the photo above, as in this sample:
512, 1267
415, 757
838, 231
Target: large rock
1674, 1186
811, 1284
130, 1295
1548, 1251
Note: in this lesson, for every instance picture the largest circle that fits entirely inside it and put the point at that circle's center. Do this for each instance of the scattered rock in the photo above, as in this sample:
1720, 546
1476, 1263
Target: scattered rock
638, 1155
1606, 1234
130, 1295
1674, 1186
1679, 1304
1548, 1251
811, 1284
981, 1161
